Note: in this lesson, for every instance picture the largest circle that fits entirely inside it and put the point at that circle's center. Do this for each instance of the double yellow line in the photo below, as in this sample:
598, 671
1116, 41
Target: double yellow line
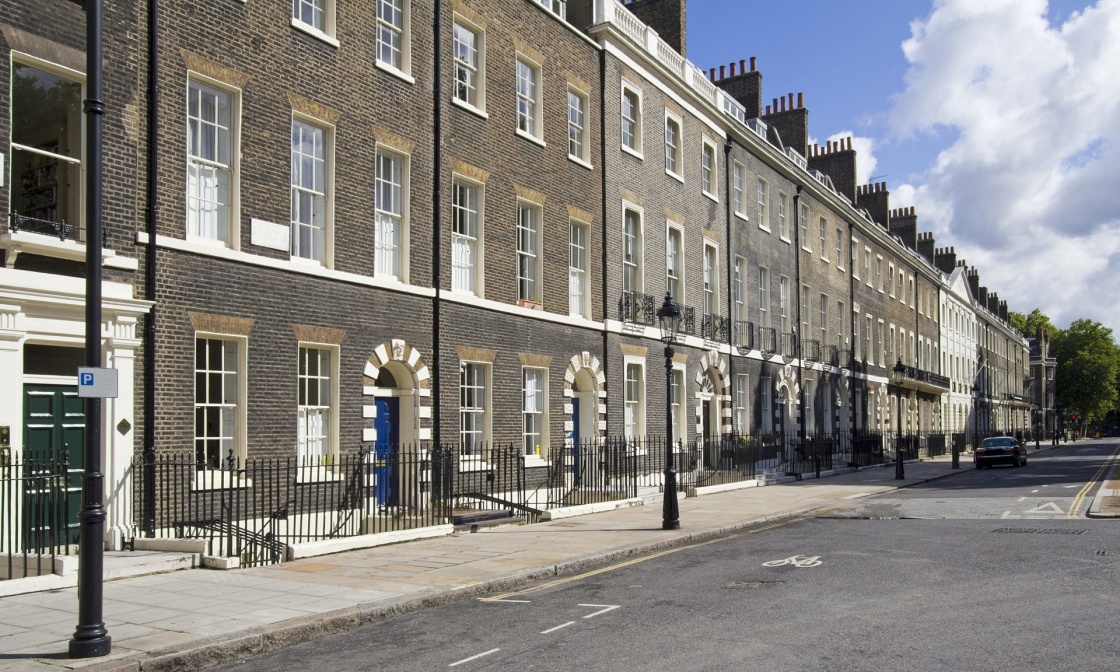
1083, 492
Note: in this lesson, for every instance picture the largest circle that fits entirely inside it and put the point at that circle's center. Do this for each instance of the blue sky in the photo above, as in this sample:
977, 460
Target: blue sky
998, 119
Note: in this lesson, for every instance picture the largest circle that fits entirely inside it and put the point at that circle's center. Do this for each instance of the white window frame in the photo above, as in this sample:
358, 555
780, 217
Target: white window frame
783, 217
633, 262
483, 389
738, 297
855, 258
634, 146
766, 389
803, 215
537, 416
529, 99
823, 319
472, 272
325, 9
578, 126
708, 173
634, 397
579, 294
823, 222
327, 434
316, 191
806, 314
475, 99
869, 279
403, 68
839, 248
674, 146
530, 254
739, 186
763, 297
783, 303
397, 249
678, 408
237, 424
742, 403
711, 279
674, 262
763, 193
232, 237
879, 279
890, 271
810, 412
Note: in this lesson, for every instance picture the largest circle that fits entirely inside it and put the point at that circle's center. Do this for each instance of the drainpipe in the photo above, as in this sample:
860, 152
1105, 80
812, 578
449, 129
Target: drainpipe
730, 273
149, 489
437, 221
798, 341
852, 315
603, 229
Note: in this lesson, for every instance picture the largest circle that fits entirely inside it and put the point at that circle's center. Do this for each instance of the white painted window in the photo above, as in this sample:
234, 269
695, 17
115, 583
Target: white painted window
390, 207
763, 197
840, 249
474, 378
673, 145
803, 222
218, 402
46, 150
738, 305
840, 319
211, 175
466, 237
674, 264
810, 411
738, 187
890, 275
708, 169
529, 98
578, 289
711, 280
805, 313
632, 251
315, 16
528, 252
534, 411
634, 420
631, 119
676, 404
765, 388
742, 408
470, 64
578, 147
783, 303
823, 318
393, 35
315, 405
783, 225
824, 238
310, 196
764, 297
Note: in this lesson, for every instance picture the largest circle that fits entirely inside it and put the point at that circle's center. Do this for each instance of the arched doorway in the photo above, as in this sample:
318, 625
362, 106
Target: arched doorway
395, 382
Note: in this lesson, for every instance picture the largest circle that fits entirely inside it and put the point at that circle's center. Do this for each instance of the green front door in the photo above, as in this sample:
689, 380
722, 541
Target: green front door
54, 423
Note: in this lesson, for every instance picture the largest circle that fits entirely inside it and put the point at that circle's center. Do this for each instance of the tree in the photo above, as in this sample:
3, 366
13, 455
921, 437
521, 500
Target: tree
1088, 370
1028, 325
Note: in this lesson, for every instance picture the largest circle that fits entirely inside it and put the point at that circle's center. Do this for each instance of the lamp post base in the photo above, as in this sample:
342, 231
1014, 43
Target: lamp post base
670, 515
91, 642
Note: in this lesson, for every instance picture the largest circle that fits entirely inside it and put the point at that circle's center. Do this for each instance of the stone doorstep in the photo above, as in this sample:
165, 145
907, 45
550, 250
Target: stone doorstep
117, 565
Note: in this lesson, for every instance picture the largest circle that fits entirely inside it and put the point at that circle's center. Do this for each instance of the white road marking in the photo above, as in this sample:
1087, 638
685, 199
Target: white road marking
1007, 515
1067, 487
467, 660
1022, 498
857, 495
545, 632
1033, 491
1049, 507
510, 601
796, 561
605, 608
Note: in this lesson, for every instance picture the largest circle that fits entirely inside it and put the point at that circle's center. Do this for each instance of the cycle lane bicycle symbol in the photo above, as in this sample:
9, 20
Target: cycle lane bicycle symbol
796, 561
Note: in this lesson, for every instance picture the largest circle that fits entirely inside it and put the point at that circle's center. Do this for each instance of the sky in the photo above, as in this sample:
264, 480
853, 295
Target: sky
999, 120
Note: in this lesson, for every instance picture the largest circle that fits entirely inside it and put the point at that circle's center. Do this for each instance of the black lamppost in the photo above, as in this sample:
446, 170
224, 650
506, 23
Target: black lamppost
975, 415
898, 373
669, 317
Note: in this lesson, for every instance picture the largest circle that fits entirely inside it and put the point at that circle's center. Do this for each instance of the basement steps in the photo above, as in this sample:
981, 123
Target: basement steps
474, 520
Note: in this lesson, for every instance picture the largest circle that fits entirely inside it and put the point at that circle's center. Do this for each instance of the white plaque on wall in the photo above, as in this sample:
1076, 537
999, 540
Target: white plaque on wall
270, 234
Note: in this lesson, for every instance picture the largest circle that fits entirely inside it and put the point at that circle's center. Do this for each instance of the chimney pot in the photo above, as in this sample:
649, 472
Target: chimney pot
712, 74
722, 71
732, 68
791, 101
753, 68
767, 110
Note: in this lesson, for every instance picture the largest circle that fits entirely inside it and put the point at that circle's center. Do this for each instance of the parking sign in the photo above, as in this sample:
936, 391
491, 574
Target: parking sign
97, 383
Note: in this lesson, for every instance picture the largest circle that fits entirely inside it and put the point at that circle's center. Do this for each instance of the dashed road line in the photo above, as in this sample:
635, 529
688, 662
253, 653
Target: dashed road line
605, 608
545, 632
475, 657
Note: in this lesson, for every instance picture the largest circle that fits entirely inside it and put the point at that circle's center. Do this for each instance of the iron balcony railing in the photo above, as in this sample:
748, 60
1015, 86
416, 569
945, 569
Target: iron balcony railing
743, 334
637, 308
840, 356
48, 227
926, 377
768, 340
787, 344
715, 328
811, 350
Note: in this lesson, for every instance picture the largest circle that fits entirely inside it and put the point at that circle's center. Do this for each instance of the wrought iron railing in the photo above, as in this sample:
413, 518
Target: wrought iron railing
811, 350
715, 328
48, 227
787, 344
39, 499
743, 334
935, 379
768, 340
637, 308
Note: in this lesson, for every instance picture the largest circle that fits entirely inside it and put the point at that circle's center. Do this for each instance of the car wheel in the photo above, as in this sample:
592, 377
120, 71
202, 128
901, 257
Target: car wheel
1015, 464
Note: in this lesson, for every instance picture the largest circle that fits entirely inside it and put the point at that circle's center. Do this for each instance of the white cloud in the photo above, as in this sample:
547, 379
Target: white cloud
864, 146
1026, 191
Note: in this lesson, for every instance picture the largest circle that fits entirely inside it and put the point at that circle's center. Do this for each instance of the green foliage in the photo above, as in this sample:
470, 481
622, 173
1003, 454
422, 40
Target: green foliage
1028, 325
1088, 370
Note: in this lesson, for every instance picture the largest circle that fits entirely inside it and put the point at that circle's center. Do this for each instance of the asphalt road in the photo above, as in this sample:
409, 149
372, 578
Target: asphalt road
987, 570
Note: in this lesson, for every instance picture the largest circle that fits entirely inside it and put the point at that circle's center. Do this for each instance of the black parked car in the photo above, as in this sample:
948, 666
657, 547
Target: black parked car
1000, 450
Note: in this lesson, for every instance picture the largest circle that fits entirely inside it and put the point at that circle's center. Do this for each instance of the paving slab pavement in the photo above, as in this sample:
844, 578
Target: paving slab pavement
200, 617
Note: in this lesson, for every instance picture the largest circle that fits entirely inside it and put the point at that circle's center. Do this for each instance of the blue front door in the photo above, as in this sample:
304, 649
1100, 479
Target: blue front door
385, 451
575, 438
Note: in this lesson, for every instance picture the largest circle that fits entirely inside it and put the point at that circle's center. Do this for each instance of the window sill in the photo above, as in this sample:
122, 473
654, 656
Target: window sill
710, 195
318, 474
531, 461
213, 479
399, 74
765, 228
476, 111
580, 162
314, 32
785, 240
531, 138
632, 152
315, 263
16, 242
743, 217
675, 176
825, 260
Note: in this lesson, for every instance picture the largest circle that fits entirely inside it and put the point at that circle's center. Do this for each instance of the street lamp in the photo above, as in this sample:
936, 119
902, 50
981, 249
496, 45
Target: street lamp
975, 415
898, 373
669, 318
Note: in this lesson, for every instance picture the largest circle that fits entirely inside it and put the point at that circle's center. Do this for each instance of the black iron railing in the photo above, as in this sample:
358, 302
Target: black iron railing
637, 308
927, 377
715, 328
39, 499
811, 350
743, 334
787, 344
767, 340
48, 227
